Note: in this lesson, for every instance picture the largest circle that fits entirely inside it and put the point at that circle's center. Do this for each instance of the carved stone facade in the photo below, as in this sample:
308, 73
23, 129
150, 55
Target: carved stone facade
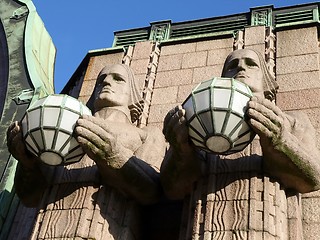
76, 206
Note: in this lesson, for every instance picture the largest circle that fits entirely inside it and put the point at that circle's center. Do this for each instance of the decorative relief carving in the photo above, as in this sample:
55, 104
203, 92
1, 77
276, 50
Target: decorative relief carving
160, 31
261, 17
238, 40
270, 53
149, 83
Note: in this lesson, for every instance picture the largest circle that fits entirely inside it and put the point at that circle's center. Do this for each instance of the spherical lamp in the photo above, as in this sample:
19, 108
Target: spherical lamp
48, 129
215, 113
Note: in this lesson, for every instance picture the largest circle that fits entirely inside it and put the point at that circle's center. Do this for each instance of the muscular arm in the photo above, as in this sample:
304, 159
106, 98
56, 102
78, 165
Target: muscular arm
125, 156
30, 185
289, 145
182, 165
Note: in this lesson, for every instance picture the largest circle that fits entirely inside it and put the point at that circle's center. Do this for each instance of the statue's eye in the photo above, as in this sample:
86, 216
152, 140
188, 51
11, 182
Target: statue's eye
101, 79
118, 78
251, 62
233, 64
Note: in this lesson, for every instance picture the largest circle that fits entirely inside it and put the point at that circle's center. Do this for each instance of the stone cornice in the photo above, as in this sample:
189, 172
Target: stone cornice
166, 31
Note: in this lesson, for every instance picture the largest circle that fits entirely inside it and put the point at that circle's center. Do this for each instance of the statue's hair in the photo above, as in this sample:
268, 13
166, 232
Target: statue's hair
136, 102
270, 86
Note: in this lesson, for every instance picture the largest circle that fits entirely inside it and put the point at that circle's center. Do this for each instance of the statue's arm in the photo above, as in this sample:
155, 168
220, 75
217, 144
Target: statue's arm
183, 164
131, 171
30, 185
29, 180
288, 143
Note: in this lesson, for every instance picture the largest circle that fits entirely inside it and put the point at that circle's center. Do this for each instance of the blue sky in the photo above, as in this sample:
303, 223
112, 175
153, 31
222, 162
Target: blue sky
78, 26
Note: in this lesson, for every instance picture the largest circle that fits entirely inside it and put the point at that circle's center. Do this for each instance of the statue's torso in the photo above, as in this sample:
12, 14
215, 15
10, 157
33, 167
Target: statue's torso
237, 200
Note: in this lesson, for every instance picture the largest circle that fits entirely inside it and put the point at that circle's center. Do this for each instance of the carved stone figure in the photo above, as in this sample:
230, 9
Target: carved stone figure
245, 195
127, 157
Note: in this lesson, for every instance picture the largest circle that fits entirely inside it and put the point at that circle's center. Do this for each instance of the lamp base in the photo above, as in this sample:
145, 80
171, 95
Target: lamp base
51, 158
218, 144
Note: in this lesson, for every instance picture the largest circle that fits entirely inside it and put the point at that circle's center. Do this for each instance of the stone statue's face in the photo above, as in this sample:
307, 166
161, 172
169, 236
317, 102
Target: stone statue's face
244, 65
113, 88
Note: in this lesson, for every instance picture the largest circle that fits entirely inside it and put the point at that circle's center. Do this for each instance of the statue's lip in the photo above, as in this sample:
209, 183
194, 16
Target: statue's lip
107, 89
240, 75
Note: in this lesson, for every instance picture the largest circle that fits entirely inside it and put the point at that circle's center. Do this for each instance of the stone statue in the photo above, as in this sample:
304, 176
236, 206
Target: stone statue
128, 158
230, 195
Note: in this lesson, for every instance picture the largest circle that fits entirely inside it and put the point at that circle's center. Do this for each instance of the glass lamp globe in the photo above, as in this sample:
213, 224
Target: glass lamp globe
215, 113
48, 126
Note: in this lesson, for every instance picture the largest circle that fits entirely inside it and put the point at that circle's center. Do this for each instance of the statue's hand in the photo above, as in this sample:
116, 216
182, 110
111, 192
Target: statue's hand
97, 138
16, 146
183, 164
268, 121
288, 144
175, 129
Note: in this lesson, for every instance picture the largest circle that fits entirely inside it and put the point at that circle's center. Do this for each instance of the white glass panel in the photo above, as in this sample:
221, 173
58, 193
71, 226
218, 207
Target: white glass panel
50, 116
232, 123
242, 87
198, 144
24, 125
76, 152
188, 106
31, 146
244, 128
223, 82
38, 103
195, 135
73, 104
37, 136
207, 121
218, 119
68, 120
203, 85
221, 98
66, 149
86, 110
239, 103
34, 119
72, 144
48, 138
61, 140
54, 100
31, 150
195, 124
202, 100
244, 139
240, 130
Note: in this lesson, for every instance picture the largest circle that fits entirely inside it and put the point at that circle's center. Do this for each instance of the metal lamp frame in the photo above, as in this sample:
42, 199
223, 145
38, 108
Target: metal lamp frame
203, 115
52, 139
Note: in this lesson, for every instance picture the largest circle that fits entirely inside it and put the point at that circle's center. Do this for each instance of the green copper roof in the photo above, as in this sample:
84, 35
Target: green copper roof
40, 52
267, 15
27, 59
